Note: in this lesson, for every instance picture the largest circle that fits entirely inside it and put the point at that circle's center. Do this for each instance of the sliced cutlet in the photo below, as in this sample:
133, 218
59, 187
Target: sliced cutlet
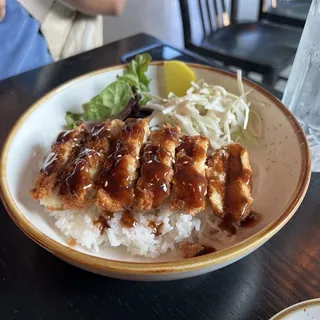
78, 186
62, 150
239, 183
216, 174
116, 179
229, 178
153, 186
189, 183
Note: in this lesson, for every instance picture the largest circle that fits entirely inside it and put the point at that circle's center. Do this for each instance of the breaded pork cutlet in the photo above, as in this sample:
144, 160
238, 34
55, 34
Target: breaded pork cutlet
116, 179
229, 178
189, 185
78, 186
239, 183
216, 174
63, 149
153, 186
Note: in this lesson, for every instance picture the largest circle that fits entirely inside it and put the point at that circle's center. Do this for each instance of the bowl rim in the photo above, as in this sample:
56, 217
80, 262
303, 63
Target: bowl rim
100, 264
282, 315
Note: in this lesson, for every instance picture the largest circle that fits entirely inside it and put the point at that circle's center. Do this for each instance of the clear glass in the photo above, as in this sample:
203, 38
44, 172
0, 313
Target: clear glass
302, 94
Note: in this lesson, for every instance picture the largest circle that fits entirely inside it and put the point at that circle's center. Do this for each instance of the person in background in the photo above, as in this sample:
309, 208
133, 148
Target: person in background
36, 32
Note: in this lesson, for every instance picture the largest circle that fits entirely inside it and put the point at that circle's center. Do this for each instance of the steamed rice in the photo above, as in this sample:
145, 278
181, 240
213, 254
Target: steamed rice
141, 240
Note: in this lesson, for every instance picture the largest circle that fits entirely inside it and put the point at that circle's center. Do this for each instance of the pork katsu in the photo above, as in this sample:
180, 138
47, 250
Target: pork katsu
229, 178
157, 162
117, 177
63, 151
189, 185
77, 187
132, 176
121, 165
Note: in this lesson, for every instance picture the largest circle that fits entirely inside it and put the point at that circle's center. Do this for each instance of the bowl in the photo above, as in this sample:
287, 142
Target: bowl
281, 173
306, 310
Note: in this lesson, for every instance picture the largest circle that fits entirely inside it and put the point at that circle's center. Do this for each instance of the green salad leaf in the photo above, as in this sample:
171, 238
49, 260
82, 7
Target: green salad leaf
72, 118
116, 96
111, 101
135, 74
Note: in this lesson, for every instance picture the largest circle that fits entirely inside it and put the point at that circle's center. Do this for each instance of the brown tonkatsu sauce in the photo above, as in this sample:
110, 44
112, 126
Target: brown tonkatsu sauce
99, 131
251, 220
156, 227
133, 129
155, 171
65, 136
190, 182
128, 220
191, 150
80, 176
206, 250
115, 178
234, 202
72, 242
227, 224
101, 223
171, 133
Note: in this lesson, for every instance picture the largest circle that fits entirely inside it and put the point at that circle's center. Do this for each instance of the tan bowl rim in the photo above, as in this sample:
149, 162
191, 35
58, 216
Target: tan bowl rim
114, 266
296, 307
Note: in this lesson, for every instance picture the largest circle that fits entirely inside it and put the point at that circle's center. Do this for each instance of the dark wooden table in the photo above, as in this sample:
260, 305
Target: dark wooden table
36, 285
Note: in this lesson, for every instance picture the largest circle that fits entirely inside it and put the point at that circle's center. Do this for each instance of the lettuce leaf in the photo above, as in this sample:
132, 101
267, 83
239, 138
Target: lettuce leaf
111, 101
135, 74
116, 96
72, 119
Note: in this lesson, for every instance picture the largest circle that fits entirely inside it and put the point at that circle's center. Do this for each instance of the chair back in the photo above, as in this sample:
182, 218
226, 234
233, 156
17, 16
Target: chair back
287, 12
213, 15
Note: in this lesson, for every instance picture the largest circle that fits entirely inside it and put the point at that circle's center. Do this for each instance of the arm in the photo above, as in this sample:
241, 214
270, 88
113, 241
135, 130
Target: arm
94, 7
2, 9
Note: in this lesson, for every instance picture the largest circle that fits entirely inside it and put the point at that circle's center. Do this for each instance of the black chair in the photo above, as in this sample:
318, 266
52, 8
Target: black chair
261, 46
289, 12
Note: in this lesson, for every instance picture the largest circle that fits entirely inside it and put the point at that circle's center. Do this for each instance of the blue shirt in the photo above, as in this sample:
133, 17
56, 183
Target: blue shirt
22, 47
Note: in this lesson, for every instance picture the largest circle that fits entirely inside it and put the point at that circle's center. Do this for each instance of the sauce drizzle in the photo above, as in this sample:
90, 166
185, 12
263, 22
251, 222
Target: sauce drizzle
206, 250
237, 205
190, 184
156, 227
251, 220
65, 136
49, 164
80, 176
99, 131
227, 224
101, 223
155, 172
128, 220
115, 178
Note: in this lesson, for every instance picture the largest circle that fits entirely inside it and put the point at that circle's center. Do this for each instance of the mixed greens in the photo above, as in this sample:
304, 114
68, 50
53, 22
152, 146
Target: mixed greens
120, 98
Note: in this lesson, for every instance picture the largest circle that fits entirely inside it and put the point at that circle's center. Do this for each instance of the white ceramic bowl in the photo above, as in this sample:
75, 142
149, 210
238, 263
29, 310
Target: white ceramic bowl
281, 165
306, 310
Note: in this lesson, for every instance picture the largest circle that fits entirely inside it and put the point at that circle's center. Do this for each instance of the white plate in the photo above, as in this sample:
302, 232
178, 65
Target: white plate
306, 310
281, 165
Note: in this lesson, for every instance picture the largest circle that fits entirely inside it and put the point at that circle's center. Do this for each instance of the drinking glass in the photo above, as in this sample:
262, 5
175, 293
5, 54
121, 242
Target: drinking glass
302, 94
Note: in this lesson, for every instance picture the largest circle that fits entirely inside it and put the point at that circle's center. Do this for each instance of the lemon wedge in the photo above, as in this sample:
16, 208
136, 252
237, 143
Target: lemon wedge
178, 77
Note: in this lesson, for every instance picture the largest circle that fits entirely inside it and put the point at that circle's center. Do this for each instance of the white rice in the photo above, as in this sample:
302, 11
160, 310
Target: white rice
141, 240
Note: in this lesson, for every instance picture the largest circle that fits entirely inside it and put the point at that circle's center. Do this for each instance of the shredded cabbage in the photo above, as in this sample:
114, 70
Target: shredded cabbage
211, 111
